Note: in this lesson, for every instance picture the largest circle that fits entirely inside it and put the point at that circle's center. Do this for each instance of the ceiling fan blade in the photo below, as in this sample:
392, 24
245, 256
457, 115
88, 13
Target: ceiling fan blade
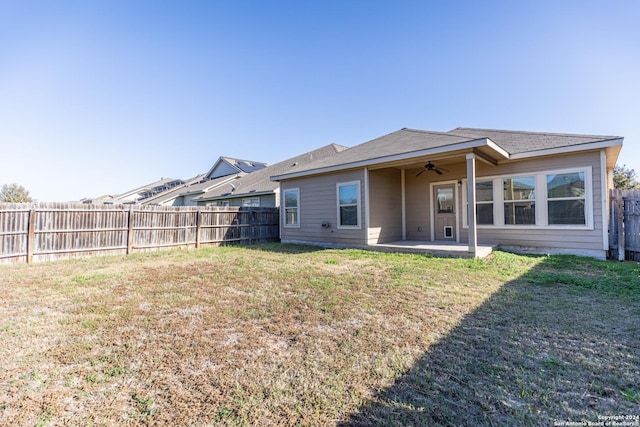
438, 171
421, 172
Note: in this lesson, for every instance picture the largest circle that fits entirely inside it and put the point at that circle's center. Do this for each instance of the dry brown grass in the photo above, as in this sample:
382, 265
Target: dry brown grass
289, 335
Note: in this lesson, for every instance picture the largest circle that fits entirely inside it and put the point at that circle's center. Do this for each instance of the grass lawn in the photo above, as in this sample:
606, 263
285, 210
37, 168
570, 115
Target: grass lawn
291, 335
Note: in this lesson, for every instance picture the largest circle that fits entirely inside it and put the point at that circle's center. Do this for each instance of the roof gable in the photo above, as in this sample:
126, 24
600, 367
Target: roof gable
260, 181
228, 166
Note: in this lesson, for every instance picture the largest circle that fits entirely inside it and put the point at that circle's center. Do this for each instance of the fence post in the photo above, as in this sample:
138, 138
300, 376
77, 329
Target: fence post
620, 231
252, 212
130, 231
198, 227
31, 235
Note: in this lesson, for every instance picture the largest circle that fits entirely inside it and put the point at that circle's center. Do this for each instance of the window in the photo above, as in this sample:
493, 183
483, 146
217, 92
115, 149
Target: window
291, 207
519, 200
445, 199
224, 203
252, 202
484, 202
566, 197
349, 205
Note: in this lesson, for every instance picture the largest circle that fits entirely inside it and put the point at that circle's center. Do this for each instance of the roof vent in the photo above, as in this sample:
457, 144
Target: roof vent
294, 164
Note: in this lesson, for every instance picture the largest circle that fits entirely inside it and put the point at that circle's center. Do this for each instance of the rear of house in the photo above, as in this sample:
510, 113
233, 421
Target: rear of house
529, 191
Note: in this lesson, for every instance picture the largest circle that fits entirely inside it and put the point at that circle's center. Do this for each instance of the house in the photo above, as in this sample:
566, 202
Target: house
525, 191
257, 189
224, 170
139, 193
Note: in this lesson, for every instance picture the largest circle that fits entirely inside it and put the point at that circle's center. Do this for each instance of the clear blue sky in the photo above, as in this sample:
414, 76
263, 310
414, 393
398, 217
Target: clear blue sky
99, 97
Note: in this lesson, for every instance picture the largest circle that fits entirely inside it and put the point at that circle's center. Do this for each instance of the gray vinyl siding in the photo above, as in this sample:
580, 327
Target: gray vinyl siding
266, 200
189, 199
542, 237
318, 204
385, 196
418, 205
223, 169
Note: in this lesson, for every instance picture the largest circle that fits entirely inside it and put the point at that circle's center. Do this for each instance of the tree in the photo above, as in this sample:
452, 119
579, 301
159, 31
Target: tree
14, 193
625, 178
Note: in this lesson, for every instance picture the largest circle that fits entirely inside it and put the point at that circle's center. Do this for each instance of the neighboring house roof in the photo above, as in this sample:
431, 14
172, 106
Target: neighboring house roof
259, 182
168, 189
228, 166
194, 189
138, 194
499, 145
172, 193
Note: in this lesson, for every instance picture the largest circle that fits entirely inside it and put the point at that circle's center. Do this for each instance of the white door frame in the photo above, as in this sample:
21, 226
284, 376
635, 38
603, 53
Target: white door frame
432, 212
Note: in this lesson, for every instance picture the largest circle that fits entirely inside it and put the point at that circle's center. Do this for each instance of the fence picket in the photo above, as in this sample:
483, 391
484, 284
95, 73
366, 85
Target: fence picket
49, 231
624, 232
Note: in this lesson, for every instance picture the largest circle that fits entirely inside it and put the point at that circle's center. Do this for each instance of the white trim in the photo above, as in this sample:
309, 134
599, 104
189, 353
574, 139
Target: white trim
284, 208
403, 198
432, 219
605, 200
432, 213
467, 145
540, 199
497, 148
358, 226
542, 220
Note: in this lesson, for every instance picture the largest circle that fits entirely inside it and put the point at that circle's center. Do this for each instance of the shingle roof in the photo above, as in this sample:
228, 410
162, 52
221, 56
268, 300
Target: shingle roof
398, 142
193, 185
404, 142
247, 166
516, 142
260, 182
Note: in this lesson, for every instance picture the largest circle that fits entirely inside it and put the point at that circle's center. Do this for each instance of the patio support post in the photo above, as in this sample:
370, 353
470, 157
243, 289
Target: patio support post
367, 212
471, 203
403, 202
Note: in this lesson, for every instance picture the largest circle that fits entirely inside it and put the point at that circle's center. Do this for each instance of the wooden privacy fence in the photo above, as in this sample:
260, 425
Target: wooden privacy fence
624, 232
49, 231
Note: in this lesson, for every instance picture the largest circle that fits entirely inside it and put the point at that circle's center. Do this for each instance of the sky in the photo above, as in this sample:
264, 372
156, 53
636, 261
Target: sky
101, 97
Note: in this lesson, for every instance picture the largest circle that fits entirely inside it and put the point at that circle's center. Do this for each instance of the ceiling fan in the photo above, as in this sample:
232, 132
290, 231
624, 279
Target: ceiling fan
431, 167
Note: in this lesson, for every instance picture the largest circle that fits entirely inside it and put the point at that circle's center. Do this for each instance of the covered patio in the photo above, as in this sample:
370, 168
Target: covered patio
439, 249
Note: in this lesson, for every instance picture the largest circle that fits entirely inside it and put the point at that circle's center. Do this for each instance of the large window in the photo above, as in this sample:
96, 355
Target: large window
519, 200
484, 202
546, 199
566, 198
349, 204
292, 207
